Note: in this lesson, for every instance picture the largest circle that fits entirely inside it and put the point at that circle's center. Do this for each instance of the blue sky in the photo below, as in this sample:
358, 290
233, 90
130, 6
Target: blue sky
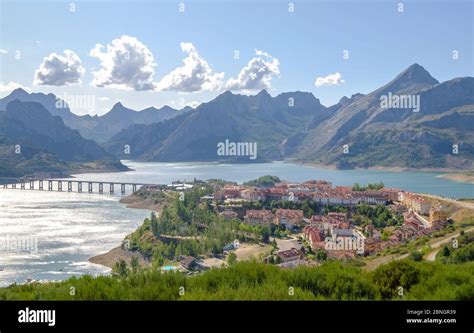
296, 47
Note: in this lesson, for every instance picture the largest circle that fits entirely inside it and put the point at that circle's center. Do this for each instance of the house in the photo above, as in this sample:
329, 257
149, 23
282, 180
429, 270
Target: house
330, 221
391, 193
314, 236
290, 255
228, 215
190, 263
232, 191
396, 237
421, 206
259, 217
289, 218
398, 208
339, 217
438, 225
335, 198
252, 194
318, 185
276, 194
373, 245
336, 232
345, 189
373, 197
409, 218
302, 196
322, 223
415, 202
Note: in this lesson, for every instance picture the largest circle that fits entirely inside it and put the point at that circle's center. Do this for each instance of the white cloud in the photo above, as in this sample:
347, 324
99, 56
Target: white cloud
60, 70
126, 63
193, 104
103, 99
9, 87
257, 74
329, 80
181, 103
194, 76
3, 51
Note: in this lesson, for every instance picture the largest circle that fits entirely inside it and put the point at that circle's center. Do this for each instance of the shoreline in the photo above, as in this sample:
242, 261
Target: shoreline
459, 177
136, 202
380, 168
106, 169
109, 258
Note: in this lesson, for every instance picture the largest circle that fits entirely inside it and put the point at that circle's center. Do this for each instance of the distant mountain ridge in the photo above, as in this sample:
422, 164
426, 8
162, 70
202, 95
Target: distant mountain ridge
45, 144
311, 132
99, 129
194, 136
377, 136
358, 131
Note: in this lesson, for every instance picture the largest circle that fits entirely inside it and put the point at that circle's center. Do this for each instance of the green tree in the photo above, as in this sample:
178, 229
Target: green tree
266, 235
135, 263
321, 255
154, 224
231, 258
120, 268
446, 252
416, 256
390, 277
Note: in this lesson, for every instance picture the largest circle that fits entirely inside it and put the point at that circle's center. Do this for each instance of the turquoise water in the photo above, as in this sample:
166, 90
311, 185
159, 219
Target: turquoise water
424, 182
168, 268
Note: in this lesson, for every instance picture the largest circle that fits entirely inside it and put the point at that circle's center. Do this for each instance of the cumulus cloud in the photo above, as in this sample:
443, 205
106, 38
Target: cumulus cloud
329, 80
126, 63
257, 74
194, 76
60, 70
3, 51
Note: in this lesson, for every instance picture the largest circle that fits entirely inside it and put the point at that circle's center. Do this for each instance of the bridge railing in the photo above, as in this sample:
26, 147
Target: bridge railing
57, 185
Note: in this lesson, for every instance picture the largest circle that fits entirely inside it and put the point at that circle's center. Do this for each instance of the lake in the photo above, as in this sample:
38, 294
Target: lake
50, 235
164, 173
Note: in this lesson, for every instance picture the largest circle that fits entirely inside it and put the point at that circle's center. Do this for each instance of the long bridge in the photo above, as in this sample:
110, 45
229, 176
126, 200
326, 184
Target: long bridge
70, 185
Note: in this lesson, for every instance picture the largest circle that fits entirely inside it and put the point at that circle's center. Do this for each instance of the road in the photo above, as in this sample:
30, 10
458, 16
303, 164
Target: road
374, 263
446, 240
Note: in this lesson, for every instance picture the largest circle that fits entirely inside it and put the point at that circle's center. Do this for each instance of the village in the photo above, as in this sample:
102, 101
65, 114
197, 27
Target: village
331, 234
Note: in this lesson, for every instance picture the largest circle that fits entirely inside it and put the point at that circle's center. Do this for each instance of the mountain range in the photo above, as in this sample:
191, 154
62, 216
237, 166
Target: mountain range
400, 137
307, 131
32, 141
194, 136
430, 127
96, 128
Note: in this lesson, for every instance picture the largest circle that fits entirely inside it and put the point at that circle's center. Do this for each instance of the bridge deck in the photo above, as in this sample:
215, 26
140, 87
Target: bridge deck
10, 181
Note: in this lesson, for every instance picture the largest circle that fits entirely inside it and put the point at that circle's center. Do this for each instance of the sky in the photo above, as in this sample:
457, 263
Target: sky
178, 53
